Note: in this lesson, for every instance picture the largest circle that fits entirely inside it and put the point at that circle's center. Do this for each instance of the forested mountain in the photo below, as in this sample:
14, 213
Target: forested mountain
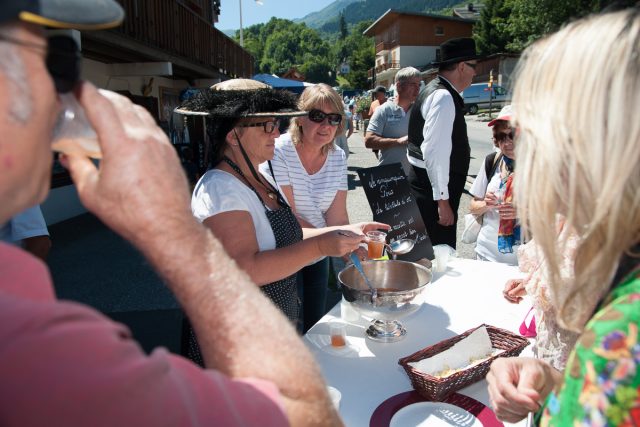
354, 11
317, 19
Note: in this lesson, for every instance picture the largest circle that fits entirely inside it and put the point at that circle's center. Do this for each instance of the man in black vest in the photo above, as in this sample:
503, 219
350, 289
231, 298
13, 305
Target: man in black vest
438, 148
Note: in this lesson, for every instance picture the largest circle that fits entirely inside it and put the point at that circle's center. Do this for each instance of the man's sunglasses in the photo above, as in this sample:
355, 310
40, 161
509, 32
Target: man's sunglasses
63, 59
268, 126
471, 65
318, 116
502, 136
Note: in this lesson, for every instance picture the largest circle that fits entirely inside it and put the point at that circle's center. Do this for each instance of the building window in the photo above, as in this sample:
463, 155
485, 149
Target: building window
439, 30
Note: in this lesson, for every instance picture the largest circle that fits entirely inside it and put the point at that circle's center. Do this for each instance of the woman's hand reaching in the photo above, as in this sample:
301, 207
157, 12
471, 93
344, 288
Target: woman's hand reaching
519, 385
514, 290
339, 242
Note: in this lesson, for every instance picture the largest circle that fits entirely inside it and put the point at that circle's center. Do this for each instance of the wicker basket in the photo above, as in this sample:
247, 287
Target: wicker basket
437, 389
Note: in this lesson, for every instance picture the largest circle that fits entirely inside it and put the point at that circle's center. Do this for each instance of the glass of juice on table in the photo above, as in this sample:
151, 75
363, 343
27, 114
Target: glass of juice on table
375, 243
338, 334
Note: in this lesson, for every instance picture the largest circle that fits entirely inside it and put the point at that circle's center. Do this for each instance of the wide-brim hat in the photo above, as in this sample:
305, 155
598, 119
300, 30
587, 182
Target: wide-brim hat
457, 50
241, 98
505, 114
76, 14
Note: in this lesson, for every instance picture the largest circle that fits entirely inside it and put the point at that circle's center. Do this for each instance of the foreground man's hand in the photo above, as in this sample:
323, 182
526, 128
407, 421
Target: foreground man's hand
140, 182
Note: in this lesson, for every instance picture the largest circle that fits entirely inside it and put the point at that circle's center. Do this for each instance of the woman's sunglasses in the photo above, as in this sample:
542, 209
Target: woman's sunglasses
268, 126
502, 136
63, 59
318, 116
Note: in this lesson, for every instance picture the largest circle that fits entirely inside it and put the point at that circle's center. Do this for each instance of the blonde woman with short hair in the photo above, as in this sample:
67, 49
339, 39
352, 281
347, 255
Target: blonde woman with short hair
312, 173
577, 97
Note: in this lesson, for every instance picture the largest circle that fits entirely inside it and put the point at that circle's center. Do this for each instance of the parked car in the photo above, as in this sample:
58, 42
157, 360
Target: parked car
479, 95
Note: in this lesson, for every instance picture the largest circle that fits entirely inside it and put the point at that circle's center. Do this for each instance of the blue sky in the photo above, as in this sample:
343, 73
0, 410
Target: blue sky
252, 13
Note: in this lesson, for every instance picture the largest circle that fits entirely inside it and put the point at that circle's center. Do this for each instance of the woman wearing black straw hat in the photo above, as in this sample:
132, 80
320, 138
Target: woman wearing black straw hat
242, 207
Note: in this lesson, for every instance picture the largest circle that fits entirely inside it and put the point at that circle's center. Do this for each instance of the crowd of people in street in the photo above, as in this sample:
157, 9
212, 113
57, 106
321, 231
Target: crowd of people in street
263, 225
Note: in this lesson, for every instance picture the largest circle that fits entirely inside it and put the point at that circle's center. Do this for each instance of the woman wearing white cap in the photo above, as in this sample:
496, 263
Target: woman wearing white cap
492, 197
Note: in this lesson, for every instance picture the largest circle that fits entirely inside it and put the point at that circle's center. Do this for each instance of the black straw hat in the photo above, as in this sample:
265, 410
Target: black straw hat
457, 50
241, 98
77, 14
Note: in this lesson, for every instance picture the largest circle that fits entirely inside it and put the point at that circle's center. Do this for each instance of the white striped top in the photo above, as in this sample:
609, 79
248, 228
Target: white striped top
313, 194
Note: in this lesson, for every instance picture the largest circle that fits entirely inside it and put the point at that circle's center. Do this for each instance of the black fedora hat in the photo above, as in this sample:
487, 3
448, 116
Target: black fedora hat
457, 50
241, 98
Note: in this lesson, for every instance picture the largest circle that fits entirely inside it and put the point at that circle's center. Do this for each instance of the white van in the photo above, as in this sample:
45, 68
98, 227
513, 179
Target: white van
478, 96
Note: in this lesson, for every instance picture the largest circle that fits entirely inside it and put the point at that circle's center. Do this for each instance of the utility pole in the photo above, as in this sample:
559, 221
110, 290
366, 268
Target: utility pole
259, 3
241, 33
490, 92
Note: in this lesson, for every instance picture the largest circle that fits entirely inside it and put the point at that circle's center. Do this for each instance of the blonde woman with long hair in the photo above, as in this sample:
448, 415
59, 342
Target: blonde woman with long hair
578, 148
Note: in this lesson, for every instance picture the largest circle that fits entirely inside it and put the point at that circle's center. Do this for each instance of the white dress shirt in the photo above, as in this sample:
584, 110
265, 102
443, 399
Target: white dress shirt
439, 112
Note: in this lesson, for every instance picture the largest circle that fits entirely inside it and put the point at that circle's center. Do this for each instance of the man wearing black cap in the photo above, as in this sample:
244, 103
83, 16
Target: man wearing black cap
438, 148
379, 97
63, 364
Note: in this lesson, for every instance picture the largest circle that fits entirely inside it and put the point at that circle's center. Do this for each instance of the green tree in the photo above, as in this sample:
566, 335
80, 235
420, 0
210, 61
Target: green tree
359, 52
281, 44
531, 20
511, 25
490, 32
343, 27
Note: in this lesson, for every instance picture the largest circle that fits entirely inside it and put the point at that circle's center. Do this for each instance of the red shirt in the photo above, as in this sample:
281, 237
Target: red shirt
63, 364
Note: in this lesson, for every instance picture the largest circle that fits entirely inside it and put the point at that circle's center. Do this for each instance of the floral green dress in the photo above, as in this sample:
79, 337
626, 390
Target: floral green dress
602, 379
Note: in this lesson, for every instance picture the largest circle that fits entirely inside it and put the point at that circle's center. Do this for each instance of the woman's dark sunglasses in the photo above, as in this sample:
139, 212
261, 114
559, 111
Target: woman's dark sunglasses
63, 59
268, 127
318, 116
502, 136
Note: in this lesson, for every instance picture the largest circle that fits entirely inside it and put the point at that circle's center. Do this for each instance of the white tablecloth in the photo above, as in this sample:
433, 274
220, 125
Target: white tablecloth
367, 373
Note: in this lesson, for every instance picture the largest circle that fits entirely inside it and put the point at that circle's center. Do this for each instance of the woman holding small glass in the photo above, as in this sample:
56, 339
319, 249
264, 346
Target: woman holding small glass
312, 173
499, 235
242, 207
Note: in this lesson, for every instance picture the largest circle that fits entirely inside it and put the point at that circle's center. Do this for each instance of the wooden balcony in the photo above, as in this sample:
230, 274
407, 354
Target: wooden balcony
385, 46
169, 27
386, 66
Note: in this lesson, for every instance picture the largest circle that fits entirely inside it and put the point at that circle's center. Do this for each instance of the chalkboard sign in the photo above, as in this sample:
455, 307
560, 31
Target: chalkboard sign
391, 201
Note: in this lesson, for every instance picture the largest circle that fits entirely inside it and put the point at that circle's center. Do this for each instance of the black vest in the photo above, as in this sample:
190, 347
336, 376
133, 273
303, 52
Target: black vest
460, 150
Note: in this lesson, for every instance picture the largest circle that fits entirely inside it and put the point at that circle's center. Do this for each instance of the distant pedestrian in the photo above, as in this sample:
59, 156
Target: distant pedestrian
438, 144
379, 96
388, 128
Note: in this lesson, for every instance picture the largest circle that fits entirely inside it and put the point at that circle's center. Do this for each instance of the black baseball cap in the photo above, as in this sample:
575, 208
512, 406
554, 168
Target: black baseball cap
76, 14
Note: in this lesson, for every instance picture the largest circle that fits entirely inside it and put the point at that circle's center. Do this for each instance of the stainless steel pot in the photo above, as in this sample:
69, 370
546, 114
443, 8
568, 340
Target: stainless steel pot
398, 284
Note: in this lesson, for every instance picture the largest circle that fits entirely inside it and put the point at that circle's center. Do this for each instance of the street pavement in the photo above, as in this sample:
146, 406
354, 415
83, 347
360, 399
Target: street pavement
91, 264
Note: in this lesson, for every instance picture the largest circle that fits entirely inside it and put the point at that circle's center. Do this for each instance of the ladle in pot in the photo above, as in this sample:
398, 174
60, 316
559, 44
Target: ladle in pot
356, 263
400, 247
